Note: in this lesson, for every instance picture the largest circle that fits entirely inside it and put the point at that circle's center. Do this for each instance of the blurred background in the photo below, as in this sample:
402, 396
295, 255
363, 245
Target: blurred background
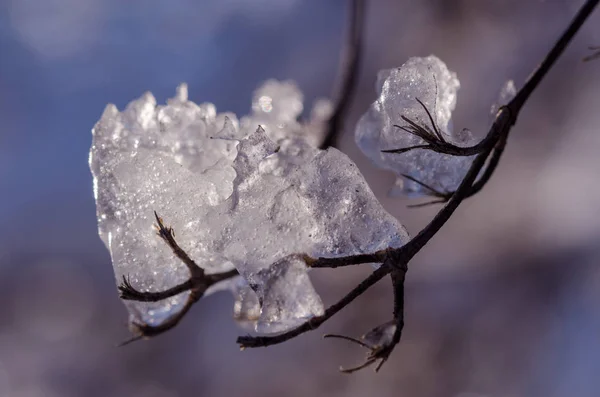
502, 302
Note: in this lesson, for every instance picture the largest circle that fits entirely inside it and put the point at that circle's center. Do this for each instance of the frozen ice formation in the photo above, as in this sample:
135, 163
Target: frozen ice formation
250, 194
429, 80
506, 94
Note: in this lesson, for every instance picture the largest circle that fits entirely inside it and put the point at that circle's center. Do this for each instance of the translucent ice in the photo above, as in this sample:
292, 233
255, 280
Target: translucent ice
277, 105
246, 194
429, 80
506, 94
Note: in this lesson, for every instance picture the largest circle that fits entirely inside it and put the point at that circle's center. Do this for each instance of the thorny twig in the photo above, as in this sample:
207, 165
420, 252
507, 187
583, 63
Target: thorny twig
394, 261
348, 74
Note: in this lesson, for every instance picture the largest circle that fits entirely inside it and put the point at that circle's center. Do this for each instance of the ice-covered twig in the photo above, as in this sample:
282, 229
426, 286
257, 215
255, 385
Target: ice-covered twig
381, 340
398, 259
348, 74
315, 322
197, 284
490, 167
435, 141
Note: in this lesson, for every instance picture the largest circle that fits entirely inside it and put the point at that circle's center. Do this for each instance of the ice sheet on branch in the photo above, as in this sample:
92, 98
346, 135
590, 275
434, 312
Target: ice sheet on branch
429, 80
238, 194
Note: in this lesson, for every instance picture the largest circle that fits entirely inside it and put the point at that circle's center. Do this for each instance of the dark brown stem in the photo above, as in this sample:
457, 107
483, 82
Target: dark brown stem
128, 292
145, 331
348, 74
490, 168
398, 278
377, 257
168, 236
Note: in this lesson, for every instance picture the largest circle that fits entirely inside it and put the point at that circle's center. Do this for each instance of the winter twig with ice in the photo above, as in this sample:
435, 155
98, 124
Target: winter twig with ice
191, 201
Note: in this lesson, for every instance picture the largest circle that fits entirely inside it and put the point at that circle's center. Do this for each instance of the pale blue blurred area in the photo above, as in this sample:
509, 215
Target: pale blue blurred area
63, 61
504, 302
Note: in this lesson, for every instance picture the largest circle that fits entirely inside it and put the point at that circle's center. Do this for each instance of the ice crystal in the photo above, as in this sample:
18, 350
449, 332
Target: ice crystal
247, 194
429, 80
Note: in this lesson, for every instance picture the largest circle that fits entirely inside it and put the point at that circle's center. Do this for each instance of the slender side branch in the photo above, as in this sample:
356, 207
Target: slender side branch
315, 322
128, 292
197, 284
493, 162
348, 74
376, 257
381, 340
489, 168
144, 331
595, 55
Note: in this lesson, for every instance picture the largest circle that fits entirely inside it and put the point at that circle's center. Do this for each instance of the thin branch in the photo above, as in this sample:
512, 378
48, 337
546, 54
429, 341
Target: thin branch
377, 341
406, 149
376, 257
433, 192
128, 292
349, 69
168, 236
145, 331
348, 338
197, 284
315, 322
595, 55
490, 168
428, 203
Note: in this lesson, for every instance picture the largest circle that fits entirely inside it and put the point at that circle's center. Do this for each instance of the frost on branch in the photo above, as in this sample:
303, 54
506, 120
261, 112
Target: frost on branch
250, 194
429, 80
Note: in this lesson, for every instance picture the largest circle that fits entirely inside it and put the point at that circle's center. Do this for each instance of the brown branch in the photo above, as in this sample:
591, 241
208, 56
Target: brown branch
348, 73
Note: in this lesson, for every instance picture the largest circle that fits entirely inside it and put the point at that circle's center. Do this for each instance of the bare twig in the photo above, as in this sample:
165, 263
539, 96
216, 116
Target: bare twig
348, 73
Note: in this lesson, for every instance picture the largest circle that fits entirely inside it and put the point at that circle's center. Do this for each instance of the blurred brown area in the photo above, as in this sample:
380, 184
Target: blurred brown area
503, 302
